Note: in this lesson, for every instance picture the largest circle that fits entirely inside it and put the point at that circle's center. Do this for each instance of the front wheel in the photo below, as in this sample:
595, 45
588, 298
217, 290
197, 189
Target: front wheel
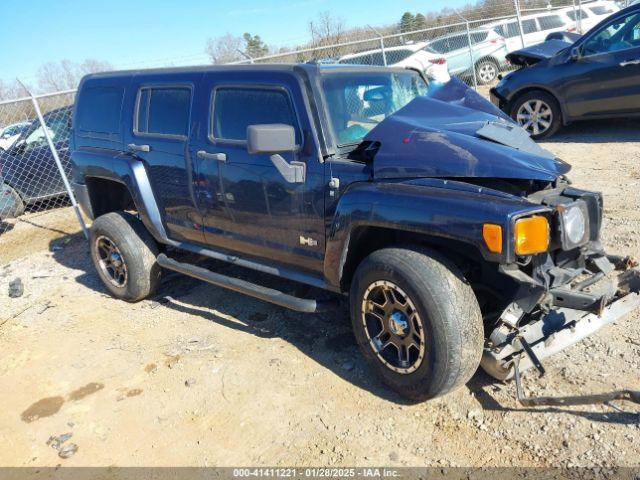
124, 254
538, 113
416, 321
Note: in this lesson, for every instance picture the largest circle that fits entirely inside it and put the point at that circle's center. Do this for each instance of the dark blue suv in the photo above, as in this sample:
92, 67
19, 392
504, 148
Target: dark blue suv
28, 172
456, 239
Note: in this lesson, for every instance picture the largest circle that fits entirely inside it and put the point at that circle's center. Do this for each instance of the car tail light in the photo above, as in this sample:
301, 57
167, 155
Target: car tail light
438, 61
496, 41
571, 29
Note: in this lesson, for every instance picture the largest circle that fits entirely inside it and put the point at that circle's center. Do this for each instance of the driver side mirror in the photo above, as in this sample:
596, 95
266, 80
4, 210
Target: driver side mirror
274, 139
576, 54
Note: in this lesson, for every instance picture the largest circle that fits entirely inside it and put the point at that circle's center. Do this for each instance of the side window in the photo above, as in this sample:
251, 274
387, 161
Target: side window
235, 108
620, 34
99, 110
529, 26
513, 30
163, 111
550, 22
478, 37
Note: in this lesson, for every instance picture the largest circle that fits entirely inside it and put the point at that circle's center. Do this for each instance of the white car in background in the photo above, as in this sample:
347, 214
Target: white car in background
583, 19
417, 56
10, 133
535, 28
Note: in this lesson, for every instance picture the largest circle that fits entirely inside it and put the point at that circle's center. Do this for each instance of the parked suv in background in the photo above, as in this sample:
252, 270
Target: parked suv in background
535, 29
453, 235
28, 170
596, 77
581, 20
488, 51
417, 56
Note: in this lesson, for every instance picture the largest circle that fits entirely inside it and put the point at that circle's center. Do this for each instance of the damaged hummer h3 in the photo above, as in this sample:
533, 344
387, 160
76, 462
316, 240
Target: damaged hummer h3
456, 238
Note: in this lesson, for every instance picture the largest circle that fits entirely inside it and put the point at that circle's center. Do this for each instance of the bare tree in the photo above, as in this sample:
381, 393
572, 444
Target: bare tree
224, 49
11, 90
326, 30
65, 75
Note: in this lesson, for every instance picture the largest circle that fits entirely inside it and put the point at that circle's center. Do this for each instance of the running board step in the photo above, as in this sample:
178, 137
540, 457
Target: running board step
241, 286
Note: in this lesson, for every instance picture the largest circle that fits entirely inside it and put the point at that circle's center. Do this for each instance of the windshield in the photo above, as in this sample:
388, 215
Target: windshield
358, 101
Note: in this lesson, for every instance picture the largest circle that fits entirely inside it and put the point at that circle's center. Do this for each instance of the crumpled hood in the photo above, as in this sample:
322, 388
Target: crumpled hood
432, 138
536, 53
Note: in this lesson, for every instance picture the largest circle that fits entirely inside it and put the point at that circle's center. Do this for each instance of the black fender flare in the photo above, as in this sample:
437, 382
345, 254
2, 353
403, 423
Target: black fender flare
433, 207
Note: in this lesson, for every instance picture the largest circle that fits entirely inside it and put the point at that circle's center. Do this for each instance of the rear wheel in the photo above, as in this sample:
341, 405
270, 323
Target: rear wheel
416, 321
538, 113
124, 254
486, 71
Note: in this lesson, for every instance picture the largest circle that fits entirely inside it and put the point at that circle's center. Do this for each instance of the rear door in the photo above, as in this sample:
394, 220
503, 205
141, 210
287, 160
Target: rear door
606, 80
159, 137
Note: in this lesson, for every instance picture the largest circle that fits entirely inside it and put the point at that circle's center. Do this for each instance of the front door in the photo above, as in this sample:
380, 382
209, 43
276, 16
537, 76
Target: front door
607, 79
249, 206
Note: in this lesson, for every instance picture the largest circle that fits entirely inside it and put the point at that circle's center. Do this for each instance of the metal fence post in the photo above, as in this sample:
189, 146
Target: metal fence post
579, 17
56, 158
473, 67
381, 37
516, 4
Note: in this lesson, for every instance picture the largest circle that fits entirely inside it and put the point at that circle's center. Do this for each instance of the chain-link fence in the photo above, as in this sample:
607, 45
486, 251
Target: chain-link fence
34, 155
470, 43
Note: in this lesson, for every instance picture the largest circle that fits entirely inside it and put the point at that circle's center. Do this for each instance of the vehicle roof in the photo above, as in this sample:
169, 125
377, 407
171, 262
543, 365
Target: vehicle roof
464, 32
409, 46
310, 68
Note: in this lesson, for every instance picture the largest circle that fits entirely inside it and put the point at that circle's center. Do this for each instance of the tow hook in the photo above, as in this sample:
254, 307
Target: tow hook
597, 398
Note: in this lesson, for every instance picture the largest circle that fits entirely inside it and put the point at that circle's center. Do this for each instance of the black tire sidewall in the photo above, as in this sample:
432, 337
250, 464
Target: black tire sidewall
480, 64
430, 378
136, 248
556, 122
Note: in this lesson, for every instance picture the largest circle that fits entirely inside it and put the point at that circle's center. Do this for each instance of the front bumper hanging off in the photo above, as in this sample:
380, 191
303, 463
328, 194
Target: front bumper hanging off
559, 329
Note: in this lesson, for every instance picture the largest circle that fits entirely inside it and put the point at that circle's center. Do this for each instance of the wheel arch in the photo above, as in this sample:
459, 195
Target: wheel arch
532, 88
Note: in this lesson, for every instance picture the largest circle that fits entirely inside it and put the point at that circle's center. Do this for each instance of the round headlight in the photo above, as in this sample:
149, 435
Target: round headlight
574, 224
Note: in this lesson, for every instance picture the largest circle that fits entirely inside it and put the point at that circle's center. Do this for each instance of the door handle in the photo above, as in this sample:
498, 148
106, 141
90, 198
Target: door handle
220, 157
139, 148
630, 62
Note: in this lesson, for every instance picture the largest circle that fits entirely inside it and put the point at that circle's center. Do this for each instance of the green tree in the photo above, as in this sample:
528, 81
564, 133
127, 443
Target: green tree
419, 22
406, 22
254, 46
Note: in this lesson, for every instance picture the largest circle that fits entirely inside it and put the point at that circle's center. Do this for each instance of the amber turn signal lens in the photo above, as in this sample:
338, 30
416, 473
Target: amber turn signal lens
492, 235
531, 235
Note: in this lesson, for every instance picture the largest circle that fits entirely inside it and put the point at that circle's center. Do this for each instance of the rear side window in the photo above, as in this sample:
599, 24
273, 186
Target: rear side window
479, 37
235, 108
508, 30
580, 13
99, 109
163, 111
601, 10
550, 22
529, 26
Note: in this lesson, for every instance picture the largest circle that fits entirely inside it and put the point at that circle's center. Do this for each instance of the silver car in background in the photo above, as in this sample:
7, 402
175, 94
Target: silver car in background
487, 58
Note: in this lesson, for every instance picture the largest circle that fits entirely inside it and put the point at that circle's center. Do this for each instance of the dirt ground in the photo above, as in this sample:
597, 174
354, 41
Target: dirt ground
200, 376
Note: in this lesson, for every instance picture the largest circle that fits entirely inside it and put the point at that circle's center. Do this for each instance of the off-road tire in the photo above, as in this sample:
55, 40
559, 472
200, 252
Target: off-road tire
481, 66
448, 310
138, 250
546, 98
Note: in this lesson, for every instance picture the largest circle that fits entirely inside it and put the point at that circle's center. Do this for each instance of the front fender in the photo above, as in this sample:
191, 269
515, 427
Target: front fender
430, 207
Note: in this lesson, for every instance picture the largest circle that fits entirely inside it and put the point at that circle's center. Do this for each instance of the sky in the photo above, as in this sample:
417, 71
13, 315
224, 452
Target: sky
145, 33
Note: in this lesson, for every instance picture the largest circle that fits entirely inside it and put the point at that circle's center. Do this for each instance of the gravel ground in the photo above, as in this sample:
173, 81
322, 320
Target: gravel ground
201, 376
